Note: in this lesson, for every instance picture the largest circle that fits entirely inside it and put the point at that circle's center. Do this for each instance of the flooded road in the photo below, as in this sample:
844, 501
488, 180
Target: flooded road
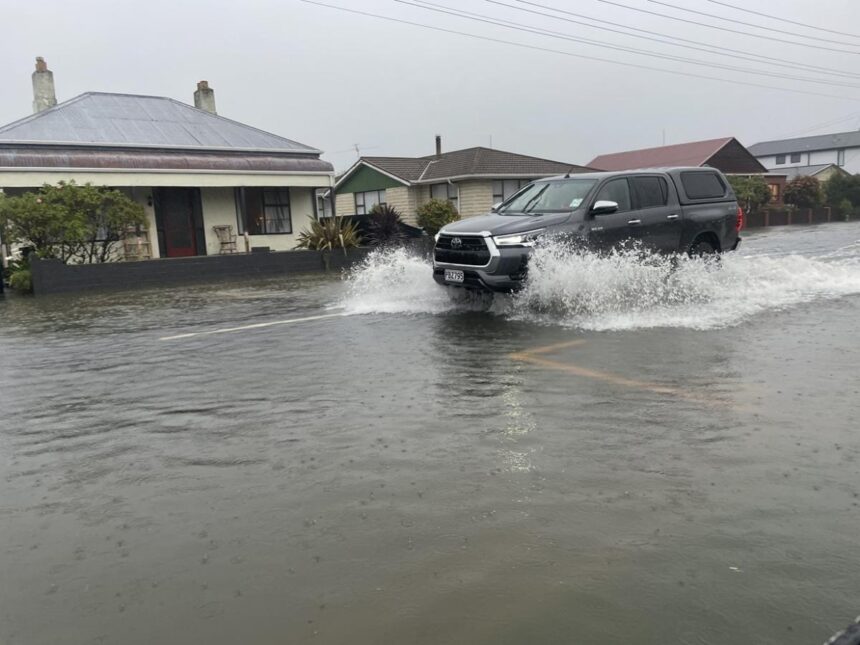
619, 455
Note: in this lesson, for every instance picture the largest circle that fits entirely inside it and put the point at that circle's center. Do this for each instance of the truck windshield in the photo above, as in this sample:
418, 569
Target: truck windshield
548, 197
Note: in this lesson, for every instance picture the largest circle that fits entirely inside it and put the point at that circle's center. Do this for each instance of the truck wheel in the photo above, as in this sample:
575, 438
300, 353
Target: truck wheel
702, 248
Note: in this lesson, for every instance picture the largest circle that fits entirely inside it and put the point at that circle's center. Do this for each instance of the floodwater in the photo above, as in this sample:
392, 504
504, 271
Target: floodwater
625, 453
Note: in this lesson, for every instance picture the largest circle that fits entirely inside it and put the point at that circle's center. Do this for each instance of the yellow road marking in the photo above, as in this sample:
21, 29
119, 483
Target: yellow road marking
534, 357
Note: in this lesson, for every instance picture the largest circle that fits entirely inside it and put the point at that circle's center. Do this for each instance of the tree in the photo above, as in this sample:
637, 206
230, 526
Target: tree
71, 222
841, 187
434, 214
804, 192
752, 192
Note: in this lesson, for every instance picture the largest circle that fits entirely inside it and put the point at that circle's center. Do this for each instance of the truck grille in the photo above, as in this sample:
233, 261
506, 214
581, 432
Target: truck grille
470, 250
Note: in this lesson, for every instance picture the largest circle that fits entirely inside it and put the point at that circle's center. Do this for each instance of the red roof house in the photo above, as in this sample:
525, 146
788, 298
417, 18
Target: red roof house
726, 154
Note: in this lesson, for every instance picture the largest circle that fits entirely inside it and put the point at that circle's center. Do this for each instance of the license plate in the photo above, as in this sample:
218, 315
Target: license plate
454, 276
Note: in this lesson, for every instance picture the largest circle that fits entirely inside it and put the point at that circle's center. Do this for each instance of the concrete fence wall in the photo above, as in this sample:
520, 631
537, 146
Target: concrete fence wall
52, 276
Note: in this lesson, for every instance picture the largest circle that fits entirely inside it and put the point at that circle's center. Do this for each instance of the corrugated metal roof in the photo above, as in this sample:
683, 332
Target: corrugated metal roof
807, 144
128, 120
694, 153
478, 162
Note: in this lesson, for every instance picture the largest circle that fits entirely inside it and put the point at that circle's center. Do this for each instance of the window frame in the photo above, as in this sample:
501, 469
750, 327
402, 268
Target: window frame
380, 199
634, 194
700, 198
449, 188
600, 188
322, 204
502, 199
794, 157
777, 160
775, 191
241, 196
840, 157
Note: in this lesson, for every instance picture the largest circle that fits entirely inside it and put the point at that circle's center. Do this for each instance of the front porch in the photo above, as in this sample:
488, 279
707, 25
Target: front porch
183, 220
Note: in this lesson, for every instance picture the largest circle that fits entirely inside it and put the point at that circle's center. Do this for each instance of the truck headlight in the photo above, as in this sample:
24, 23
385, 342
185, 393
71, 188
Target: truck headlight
519, 239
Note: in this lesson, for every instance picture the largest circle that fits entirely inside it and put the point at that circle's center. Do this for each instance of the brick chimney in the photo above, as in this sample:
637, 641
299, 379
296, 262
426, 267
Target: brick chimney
44, 96
438, 145
204, 97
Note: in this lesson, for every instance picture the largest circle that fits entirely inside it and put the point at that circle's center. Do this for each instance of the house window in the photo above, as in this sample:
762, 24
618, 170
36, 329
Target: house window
795, 157
264, 211
364, 202
446, 191
840, 157
774, 192
323, 202
504, 189
780, 159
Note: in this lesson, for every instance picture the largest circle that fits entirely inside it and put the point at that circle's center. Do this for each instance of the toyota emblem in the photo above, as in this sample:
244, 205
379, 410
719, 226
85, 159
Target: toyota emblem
456, 243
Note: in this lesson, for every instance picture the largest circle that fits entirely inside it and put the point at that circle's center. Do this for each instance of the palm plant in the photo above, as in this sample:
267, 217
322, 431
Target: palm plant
328, 234
384, 226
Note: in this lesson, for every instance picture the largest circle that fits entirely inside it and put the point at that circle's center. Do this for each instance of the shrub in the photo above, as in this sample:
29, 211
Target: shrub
71, 222
328, 234
384, 226
804, 192
433, 215
845, 208
841, 187
752, 192
21, 280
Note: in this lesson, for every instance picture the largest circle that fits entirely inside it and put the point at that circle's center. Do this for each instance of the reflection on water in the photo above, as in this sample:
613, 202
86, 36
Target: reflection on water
397, 477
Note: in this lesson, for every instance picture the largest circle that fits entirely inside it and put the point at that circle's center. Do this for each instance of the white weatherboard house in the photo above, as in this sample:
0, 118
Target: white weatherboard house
811, 155
190, 168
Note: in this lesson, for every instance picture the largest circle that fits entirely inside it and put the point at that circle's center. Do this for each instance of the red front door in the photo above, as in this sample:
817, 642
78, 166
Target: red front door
175, 210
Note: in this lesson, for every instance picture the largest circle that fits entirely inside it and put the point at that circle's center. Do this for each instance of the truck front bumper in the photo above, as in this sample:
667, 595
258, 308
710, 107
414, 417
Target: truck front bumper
505, 272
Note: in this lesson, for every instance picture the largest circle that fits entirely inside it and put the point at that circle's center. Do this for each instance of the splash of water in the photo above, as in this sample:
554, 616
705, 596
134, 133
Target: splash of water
619, 291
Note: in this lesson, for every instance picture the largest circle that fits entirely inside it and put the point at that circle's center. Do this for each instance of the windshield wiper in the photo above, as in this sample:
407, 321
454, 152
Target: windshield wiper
534, 199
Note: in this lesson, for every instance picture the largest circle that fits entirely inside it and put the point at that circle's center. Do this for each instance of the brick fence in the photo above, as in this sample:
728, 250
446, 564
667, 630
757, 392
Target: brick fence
52, 276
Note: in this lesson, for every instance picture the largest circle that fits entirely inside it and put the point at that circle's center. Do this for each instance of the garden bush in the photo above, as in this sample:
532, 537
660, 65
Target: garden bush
433, 215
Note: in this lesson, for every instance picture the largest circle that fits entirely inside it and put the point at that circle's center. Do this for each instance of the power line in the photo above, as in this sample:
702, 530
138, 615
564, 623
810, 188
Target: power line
749, 24
791, 22
468, 15
726, 29
741, 55
855, 115
573, 55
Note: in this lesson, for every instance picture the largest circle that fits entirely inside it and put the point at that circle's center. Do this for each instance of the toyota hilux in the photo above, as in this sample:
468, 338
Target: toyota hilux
669, 211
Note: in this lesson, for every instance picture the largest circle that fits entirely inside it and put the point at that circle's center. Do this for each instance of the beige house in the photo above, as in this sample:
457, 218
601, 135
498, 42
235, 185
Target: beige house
190, 168
473, 179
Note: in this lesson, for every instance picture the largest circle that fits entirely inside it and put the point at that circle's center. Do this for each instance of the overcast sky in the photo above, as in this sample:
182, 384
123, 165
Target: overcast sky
332, 79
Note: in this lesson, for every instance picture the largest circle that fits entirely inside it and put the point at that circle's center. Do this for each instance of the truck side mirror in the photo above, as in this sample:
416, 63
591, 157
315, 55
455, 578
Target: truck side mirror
604, 207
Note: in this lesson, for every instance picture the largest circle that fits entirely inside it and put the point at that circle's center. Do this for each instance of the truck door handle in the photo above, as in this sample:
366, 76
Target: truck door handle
634, 221
671, 217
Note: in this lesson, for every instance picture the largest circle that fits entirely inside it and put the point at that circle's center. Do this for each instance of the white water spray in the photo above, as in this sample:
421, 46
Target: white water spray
619, 291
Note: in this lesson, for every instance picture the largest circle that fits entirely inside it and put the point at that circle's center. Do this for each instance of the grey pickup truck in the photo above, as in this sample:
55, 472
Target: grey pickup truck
667, 210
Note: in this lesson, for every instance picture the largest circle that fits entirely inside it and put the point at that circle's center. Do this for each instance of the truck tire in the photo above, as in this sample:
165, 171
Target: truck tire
702, 248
